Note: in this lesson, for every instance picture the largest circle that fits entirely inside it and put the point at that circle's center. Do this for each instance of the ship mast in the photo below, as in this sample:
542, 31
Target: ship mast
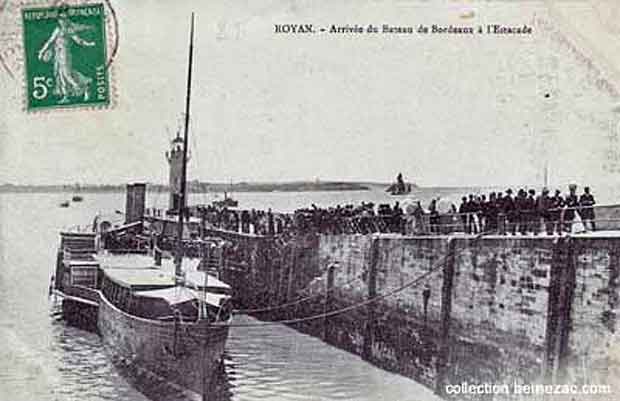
178, 256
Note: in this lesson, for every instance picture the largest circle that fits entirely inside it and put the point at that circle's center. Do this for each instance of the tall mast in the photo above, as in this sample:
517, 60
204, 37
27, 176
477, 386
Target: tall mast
178, 256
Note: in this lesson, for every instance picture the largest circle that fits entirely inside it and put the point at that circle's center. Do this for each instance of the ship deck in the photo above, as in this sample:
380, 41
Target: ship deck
137, 269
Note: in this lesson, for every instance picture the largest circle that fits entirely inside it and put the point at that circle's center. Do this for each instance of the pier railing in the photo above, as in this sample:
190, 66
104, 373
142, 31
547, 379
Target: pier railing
606, 217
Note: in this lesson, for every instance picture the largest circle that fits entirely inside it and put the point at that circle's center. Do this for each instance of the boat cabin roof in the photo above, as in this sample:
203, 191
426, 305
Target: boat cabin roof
139, 272
138, 261
140, 277
197, 279
179, 295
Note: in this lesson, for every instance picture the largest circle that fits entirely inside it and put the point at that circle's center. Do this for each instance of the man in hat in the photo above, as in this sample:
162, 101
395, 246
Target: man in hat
586, 201
472, 209
572, 203
491, 213
499, 211
521, 208
543, 205
463, 210
482, 212
533, 217
508, 208
557, 205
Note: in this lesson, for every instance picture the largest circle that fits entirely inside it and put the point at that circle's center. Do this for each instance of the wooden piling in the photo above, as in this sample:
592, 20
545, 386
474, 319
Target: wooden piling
446, 311
371, 319
328, 300
561, 292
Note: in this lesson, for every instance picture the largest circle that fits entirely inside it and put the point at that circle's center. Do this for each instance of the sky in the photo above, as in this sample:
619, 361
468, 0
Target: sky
445, 110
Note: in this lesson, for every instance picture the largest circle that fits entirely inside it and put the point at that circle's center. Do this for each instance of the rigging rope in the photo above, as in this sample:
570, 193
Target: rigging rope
348, 308
369, 301
292, 303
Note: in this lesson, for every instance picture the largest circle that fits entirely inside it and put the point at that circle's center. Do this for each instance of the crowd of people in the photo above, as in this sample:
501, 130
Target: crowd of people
363, 218
259, 222
526, 212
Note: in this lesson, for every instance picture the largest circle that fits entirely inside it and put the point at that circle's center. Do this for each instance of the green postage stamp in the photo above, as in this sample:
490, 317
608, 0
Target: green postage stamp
65, 57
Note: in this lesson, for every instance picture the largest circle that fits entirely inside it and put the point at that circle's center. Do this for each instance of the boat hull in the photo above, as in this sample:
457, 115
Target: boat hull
184, 354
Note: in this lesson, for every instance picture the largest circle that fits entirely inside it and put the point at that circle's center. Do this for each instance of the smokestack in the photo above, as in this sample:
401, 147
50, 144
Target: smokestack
157, 255
134, 202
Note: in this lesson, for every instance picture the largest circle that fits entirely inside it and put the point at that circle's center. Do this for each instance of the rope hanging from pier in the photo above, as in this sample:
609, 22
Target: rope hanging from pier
395, 291
292, 303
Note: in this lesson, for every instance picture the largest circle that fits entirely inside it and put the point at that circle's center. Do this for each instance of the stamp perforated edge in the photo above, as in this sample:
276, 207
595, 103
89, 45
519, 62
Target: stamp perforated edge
112, 41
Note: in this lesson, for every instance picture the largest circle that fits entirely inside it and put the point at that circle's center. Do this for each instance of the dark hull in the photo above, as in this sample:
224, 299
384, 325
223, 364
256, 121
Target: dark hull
395, 190
228, 202
183, 354
80, 314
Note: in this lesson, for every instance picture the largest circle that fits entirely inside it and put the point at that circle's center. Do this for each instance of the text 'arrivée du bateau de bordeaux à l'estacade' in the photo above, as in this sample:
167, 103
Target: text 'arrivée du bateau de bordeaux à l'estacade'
493, 29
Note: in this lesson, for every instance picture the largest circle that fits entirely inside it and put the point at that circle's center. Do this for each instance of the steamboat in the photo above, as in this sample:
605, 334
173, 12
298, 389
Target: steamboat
154, 297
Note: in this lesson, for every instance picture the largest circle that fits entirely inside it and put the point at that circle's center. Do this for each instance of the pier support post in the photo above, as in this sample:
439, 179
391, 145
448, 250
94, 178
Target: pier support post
372, 293
327, 302
446, 310
561, 291
291, 276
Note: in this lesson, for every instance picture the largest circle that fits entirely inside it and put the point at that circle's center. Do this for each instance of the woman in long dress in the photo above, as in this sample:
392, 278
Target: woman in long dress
68, 80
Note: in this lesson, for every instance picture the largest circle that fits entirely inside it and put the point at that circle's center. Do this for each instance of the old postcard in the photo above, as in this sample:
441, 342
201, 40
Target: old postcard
301, 200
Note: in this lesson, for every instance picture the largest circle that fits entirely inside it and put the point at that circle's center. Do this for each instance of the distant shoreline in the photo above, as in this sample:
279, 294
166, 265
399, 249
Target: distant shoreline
199, 187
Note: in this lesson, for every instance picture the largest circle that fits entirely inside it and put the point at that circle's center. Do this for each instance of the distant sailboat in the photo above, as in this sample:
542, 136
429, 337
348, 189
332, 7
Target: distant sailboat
227, 201
76, 197
399, 187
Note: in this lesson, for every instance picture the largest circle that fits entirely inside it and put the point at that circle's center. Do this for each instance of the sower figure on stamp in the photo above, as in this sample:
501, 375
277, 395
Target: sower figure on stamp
69, 81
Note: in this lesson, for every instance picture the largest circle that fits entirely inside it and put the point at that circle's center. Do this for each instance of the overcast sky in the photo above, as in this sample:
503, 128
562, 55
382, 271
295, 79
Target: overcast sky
443, 109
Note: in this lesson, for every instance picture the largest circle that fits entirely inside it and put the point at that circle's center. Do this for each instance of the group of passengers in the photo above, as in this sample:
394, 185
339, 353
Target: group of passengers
363, 218
259, 222
527, 211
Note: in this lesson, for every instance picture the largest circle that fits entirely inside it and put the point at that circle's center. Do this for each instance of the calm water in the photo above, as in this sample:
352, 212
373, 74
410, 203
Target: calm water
43, 359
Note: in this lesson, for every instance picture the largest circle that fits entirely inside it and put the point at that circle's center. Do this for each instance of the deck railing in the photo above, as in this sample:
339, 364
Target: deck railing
80, 291
607, 217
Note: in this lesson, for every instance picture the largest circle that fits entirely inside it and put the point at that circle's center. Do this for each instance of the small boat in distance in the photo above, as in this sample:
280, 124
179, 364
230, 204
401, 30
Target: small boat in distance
64, 204
399, 187
76, 197
226, 202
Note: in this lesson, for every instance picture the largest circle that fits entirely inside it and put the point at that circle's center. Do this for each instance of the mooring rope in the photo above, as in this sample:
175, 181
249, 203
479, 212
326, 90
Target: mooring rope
369, 301
293, 303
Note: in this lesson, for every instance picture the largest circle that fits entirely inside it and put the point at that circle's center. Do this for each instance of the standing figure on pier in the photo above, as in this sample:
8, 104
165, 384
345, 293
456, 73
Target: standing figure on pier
586, 202
543, 205
572, 203
557, 204
510, 212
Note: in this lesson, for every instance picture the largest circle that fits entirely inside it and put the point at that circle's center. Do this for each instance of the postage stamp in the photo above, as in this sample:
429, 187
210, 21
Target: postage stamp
65, 56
